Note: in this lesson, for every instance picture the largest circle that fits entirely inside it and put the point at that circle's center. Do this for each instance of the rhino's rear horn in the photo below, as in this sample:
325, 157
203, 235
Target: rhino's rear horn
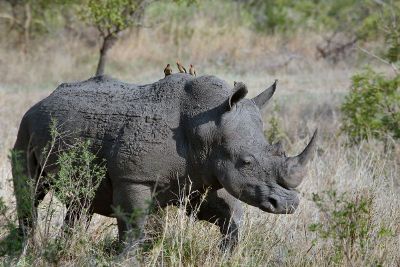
296, 165
262, 99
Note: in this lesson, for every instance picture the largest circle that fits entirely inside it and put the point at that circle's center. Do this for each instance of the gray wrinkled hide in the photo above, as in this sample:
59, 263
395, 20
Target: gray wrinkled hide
154, 137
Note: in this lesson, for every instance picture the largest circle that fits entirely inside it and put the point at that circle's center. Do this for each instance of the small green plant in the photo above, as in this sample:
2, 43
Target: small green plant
274, 131
346, 223
23, 189
79, 177
372, 108
75, 184
12, 243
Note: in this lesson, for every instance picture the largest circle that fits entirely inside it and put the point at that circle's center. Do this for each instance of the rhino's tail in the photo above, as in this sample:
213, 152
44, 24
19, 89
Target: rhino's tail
25, 171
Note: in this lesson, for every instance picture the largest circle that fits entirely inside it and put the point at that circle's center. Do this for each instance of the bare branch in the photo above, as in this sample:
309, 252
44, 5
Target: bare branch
7, 16
395, 69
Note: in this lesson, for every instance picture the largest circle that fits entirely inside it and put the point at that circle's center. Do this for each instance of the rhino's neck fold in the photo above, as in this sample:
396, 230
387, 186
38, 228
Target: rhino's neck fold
201, 141
202, 106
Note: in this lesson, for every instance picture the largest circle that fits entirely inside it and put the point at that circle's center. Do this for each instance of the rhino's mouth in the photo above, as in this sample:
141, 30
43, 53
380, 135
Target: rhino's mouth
280, 203
267, 207
270, 208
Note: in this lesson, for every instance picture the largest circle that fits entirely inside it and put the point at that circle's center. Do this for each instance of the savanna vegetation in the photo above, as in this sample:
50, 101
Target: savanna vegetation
337, 63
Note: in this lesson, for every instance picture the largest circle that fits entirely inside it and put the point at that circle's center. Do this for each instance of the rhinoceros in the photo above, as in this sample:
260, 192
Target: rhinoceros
159, 137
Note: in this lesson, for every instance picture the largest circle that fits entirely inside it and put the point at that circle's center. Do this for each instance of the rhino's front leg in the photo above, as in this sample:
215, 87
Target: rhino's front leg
131, 203
224, 210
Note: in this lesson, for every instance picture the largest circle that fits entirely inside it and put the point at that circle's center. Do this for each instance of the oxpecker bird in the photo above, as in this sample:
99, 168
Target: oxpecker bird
180, 67
192, 71
168, 70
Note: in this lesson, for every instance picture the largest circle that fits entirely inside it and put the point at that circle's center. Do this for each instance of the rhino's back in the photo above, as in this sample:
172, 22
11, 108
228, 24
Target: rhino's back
122, 120
106, 97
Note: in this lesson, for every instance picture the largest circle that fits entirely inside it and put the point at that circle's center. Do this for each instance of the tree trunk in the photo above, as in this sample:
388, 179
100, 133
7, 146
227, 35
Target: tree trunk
21, 20
108, 42
27, 25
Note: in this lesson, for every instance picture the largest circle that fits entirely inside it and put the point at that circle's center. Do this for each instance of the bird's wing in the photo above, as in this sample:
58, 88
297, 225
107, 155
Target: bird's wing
184, 69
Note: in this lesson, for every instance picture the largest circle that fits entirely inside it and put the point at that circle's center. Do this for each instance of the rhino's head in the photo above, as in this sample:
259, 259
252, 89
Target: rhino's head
244, 163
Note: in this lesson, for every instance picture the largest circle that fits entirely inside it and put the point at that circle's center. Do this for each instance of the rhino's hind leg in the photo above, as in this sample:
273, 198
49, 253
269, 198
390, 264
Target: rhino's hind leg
225, 211
131, 203
28, 190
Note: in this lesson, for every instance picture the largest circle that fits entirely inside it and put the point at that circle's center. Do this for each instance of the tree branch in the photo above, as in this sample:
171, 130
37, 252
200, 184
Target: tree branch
395, 69
6, 16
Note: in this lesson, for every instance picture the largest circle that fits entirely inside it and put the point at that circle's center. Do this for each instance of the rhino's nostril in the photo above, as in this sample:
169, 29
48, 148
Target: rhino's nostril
273, 202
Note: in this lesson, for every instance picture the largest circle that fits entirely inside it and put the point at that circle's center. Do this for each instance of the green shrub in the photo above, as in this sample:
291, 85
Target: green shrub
346, 222
75, 184
79, 176
274, 131
372, 108
12, 243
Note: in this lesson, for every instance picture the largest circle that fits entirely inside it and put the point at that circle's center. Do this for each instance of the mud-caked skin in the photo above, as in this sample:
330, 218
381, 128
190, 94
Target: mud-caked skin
157, 139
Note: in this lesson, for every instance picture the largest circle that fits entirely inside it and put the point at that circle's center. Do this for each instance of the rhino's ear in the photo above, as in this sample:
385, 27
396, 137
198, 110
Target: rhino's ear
262, 99
238, 93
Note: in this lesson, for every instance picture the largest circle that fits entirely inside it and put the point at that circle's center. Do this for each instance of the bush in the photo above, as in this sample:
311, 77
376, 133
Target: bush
75, 184
372, 109
79, 177
12, 243
347, 224
274, 131
80, 174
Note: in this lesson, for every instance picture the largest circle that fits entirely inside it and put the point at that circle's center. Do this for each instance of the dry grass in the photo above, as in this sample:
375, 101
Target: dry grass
309, 94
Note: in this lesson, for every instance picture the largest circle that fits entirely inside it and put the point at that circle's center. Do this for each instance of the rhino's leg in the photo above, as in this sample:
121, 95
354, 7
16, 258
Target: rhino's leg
29, 190
131, 203
225, 211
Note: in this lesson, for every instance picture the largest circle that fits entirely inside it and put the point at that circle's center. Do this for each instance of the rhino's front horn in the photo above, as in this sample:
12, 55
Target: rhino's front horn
262, 99
296, 165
